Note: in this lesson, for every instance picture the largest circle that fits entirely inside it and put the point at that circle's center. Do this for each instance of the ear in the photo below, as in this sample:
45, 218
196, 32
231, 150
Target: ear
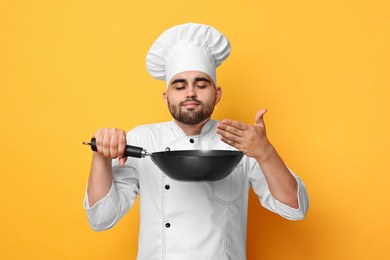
218, 94
165, 97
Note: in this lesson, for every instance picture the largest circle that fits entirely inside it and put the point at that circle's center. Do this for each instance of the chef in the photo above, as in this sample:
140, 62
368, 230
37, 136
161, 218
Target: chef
190, 220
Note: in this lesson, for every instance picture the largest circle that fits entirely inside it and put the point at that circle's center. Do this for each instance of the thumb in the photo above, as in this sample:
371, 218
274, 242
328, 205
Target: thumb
259, 116
122, 161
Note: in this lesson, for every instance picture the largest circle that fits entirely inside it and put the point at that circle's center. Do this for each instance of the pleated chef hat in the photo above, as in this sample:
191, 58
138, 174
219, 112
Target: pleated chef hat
187, 47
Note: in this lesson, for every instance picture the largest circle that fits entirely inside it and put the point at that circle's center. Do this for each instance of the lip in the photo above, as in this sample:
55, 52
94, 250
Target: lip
190, 104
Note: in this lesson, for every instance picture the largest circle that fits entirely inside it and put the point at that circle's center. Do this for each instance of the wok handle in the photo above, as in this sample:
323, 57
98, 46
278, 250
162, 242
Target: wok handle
131, 151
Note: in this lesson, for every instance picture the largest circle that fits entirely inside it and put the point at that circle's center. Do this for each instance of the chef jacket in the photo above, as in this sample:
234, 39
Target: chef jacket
186, 220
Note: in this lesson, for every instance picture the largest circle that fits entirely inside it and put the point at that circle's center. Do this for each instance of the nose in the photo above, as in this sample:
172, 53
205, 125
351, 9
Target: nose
191, 93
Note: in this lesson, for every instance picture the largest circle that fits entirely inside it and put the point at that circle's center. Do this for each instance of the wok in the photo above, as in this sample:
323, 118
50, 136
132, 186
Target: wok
188, 165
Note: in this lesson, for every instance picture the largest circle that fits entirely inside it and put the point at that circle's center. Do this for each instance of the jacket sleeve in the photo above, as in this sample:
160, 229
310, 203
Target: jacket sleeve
121, 197
260, 187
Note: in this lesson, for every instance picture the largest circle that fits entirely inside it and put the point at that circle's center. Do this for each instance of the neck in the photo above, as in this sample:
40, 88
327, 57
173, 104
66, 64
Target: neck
190, 130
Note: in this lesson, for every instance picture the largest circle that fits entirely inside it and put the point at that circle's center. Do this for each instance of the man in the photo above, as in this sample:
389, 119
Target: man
190, 220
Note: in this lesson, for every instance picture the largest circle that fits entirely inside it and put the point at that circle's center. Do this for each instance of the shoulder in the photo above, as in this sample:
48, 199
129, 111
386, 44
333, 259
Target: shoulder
146, 132
149, 128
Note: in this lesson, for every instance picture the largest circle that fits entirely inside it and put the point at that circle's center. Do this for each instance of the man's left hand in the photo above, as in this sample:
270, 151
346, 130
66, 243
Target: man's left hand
250, 139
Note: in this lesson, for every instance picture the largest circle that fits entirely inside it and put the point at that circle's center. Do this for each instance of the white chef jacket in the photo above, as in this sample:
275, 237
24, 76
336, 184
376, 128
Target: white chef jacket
186, 220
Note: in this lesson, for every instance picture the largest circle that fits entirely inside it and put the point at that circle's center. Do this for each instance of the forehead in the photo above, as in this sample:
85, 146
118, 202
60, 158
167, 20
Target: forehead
191, 76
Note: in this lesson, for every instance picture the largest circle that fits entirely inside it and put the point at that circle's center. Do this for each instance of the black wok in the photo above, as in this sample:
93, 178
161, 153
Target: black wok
189, 165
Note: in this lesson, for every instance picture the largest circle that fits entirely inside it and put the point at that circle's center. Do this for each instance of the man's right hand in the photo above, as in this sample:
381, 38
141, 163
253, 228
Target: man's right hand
111, 144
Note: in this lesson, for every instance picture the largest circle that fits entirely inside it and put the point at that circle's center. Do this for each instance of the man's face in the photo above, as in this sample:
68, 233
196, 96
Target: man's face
191, 97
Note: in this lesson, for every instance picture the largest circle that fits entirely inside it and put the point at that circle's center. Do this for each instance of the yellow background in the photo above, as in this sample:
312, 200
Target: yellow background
321, 68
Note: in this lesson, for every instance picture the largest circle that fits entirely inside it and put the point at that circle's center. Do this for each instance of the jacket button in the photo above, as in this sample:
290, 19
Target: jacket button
192, 141
167, 187
167, 225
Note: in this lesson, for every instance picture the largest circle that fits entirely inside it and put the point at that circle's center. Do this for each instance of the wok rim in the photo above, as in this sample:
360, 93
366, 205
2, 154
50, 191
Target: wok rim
197, 153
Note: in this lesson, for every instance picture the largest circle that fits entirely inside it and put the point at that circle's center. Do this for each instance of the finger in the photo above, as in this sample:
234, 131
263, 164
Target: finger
228, 129
225, 140
106, 141
231, 143
236, 124
229, 137
98, 142
234, 127
259, 118
113, 147
122, 161
122, 145
98, 135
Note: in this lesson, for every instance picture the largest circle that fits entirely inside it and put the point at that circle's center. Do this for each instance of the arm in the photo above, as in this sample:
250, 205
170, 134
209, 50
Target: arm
100, 178
282, 184
110, 144
253, 141
112, 185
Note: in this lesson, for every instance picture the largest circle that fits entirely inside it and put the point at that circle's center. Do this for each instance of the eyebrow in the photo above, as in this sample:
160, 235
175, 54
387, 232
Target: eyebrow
197, 79
202, 79
178, 81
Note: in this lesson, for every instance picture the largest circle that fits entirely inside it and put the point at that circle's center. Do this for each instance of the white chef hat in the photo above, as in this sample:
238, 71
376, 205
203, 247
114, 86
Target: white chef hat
187, 47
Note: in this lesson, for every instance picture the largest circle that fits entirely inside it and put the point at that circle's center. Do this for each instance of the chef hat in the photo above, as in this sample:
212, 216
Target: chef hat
187, 47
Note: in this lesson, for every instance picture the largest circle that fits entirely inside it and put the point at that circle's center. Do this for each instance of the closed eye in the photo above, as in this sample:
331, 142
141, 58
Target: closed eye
179, 87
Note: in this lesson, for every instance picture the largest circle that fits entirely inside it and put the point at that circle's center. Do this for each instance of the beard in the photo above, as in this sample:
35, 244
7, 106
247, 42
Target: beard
191, 116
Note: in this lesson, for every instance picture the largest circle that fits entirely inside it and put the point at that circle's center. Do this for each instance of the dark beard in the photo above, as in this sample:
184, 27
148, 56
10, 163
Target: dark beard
190, 116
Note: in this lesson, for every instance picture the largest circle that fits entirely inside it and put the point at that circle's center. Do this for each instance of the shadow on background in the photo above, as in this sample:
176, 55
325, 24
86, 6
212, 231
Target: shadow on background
270, 236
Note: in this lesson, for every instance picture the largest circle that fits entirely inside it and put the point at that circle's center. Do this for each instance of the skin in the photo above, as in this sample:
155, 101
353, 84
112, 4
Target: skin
196, 86
253, 141
191, 97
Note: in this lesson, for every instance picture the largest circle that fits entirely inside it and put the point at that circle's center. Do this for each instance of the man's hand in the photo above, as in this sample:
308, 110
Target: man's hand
111, 144
253, 141
250, 139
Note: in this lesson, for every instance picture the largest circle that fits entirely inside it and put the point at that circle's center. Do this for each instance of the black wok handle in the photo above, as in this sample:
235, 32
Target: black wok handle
131, 151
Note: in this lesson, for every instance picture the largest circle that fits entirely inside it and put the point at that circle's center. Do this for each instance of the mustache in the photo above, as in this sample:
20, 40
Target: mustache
191, 100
